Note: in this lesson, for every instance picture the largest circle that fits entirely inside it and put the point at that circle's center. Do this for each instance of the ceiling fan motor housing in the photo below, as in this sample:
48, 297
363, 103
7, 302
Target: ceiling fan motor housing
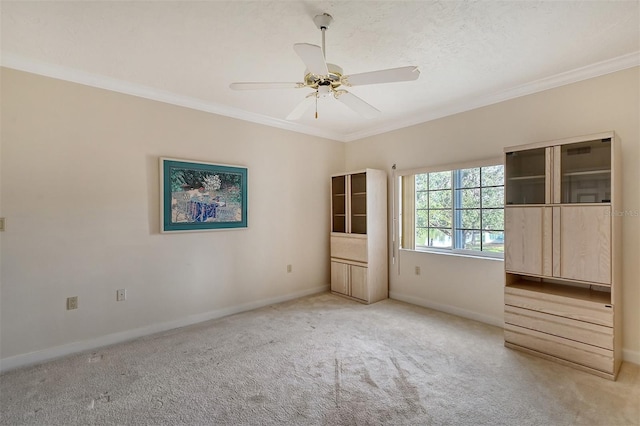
332, 79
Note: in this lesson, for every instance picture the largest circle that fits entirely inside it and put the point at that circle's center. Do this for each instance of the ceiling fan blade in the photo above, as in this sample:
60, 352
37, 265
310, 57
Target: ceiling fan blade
253, 86
302, 107
312, 57
356, 104
383, 76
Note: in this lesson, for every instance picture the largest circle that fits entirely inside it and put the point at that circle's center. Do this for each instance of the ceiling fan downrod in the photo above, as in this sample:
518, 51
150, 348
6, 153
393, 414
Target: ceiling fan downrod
322, 22
324, 49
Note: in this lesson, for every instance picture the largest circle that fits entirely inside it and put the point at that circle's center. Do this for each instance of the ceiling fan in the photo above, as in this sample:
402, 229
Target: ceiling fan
327, 79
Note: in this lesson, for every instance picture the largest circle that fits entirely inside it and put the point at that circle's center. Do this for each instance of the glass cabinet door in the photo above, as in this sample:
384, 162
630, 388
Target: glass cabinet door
338, 204
359, 203
585, 172
526, 176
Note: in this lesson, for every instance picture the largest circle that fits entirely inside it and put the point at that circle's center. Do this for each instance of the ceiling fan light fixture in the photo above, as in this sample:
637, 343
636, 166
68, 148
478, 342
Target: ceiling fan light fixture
324, 90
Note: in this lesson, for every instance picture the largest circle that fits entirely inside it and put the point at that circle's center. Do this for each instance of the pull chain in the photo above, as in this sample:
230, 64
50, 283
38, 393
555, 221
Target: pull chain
316, 104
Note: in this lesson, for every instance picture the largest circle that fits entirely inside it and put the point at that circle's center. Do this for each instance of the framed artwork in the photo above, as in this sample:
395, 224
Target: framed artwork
199, 196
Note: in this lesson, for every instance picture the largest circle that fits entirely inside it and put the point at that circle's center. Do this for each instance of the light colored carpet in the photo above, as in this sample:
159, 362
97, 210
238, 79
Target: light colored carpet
319, 360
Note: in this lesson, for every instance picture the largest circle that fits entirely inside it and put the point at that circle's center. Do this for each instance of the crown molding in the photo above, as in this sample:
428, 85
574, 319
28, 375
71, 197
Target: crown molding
17, 62
579, 74
620, 63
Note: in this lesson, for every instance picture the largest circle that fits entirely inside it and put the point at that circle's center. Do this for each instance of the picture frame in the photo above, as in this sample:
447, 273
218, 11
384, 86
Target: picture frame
201, 196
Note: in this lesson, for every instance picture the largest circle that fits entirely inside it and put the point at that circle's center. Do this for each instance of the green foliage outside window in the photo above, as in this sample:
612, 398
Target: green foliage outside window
461, 209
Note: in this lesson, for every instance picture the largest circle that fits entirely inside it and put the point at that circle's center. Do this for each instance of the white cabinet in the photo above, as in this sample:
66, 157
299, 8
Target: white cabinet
340, 282
568, 242
349, 280
527, 247
359, 263
562, 251
584, 237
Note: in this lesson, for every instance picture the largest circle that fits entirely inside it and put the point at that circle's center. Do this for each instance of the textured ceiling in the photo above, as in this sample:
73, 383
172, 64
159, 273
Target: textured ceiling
469, 53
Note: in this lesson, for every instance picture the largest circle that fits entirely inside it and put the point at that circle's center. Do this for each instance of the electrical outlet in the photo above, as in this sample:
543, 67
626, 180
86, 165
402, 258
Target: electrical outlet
121, 295
289, 268
417, 270
72, 303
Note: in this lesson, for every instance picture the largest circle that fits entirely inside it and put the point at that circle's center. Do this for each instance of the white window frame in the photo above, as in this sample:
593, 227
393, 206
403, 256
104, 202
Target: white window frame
405, 206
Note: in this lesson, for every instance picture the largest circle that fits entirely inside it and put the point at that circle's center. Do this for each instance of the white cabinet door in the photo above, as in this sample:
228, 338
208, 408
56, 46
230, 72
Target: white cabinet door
528, 240
585, 243
340, 277
359, 282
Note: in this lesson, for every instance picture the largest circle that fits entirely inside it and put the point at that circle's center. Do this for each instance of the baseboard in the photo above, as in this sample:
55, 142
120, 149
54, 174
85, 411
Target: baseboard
631, 356
48, 354
499, 322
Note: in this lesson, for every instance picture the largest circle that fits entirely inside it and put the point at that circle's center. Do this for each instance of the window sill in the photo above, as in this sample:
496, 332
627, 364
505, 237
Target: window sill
457, 254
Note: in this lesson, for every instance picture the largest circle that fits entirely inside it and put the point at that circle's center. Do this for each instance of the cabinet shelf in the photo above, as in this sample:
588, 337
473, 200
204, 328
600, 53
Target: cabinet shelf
588, 172
533, 177
570, 291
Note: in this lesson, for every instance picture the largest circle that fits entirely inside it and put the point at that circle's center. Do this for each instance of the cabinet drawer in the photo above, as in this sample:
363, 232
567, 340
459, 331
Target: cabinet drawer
569, 350
585, 332
350, 248
581, 310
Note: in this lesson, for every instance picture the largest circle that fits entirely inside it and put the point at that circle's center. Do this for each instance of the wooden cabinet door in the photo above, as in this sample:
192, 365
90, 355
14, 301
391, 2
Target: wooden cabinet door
340, 277
585, 243
359, 282
528, 240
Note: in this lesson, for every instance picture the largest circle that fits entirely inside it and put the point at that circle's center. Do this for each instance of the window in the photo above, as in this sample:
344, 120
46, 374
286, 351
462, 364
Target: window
434, 216
460, 210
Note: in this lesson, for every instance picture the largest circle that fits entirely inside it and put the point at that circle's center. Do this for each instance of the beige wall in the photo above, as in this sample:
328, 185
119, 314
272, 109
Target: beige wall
473, 287
79, 189
80, 194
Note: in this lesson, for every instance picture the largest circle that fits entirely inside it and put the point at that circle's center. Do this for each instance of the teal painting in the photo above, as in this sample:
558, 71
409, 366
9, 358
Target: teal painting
199, 196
